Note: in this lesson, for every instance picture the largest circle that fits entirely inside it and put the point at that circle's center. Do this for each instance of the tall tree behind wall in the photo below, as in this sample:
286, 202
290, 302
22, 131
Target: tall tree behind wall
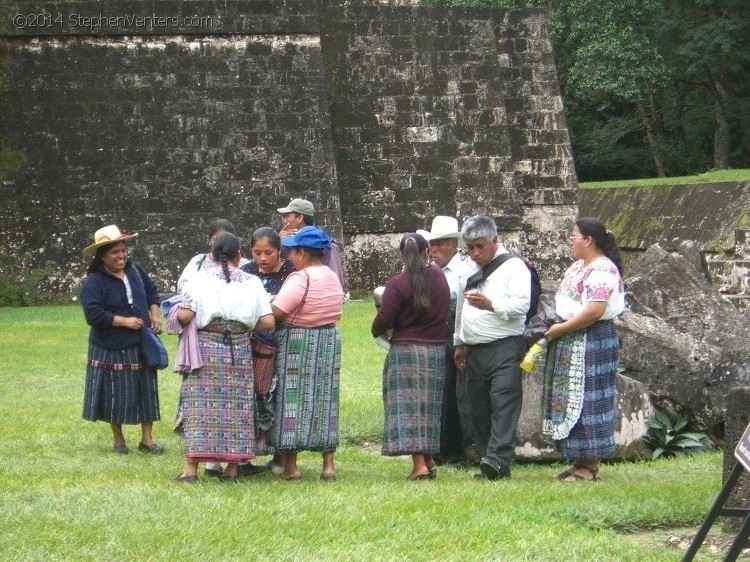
709, 44
651, 87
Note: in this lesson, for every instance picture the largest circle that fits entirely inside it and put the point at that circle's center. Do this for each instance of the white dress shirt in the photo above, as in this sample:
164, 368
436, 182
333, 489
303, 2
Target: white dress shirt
455, 269
509, 290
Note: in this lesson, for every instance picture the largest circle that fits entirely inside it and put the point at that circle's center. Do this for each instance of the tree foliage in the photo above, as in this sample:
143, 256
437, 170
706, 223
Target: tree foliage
651, 87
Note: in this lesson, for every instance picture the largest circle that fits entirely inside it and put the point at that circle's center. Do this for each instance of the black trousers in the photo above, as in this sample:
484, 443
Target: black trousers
452, 434
495, 394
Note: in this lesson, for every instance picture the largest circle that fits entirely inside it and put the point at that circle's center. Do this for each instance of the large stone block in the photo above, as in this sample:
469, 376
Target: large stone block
738, 418
632, 411
683, 339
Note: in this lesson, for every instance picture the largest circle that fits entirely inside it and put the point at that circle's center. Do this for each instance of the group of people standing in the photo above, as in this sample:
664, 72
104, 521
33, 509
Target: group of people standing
291, 303
451, 379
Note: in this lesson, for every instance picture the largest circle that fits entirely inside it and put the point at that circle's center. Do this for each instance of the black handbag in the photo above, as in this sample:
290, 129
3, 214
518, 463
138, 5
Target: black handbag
154, 354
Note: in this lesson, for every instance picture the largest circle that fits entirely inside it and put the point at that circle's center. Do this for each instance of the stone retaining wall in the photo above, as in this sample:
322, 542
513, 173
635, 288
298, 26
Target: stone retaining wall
161, 116
715, 216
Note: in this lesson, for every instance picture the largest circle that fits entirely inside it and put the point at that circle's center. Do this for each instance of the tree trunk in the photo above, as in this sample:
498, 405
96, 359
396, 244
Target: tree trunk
721, 133
658, 163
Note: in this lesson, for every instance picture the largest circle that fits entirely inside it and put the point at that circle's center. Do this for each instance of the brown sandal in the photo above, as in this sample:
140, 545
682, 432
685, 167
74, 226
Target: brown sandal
565, 473
575, 476
569, 471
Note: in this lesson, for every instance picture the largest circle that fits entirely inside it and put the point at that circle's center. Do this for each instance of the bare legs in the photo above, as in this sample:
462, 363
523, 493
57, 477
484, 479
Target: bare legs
291, 472
422, 464
117, 436
146, 435
329, 471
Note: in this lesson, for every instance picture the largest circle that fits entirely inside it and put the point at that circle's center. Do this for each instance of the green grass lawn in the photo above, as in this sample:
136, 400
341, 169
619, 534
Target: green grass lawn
65, 496
714, 176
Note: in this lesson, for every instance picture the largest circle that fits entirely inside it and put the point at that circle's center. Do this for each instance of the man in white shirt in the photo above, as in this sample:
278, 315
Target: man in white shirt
490, 320
455, 419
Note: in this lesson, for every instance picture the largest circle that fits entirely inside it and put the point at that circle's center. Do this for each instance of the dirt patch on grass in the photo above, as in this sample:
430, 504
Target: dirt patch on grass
713, 548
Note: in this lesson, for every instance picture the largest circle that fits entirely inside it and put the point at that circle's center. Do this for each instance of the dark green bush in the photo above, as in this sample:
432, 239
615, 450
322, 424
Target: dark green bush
666, 438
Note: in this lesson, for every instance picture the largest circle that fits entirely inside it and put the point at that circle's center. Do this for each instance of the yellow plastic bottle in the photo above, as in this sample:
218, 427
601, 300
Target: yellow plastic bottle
534, 353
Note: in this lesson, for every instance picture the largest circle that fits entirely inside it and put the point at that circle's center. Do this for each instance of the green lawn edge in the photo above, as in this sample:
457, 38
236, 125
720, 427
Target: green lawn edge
713, 176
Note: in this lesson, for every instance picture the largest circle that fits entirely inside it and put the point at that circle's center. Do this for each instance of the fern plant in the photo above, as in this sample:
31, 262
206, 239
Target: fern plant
668, 439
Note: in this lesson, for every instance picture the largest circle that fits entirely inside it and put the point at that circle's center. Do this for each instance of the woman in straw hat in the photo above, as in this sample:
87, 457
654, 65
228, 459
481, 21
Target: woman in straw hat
119, 298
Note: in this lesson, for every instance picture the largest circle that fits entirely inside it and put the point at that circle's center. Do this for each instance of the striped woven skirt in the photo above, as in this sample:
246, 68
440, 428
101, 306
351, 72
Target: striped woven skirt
118, 388
308, 364
412, 399
217, 401
579, 394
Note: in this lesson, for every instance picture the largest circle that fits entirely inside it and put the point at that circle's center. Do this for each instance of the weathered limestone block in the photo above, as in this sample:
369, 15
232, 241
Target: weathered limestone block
683, 339
372, 259
738, 416
632, 411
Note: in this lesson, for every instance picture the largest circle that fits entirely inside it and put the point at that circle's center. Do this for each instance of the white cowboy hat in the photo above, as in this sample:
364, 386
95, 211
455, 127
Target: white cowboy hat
106, 235
442, 228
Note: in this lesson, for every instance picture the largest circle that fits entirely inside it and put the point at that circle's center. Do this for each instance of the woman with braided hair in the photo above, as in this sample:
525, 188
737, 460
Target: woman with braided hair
227, 304
415, 305
581, 368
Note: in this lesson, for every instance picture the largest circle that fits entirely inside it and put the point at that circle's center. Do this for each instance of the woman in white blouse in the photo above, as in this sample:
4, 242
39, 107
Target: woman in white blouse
227, 304
581, 368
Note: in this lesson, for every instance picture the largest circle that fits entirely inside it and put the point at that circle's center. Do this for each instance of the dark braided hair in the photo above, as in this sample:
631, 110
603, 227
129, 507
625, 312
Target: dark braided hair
603, 238
226, 248
221, 224
412, 246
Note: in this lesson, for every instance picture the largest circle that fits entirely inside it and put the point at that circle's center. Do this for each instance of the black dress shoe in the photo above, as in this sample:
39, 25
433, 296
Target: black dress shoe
213, 472
249, 469
152, 449
181, 479
493, 470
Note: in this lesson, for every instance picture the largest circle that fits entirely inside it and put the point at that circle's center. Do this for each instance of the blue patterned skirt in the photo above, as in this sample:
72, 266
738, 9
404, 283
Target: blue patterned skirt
590, 399
412, 399
217, 401
308, 364
119, 389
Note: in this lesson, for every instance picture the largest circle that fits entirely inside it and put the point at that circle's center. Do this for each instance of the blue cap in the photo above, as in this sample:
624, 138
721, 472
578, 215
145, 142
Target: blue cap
307, 237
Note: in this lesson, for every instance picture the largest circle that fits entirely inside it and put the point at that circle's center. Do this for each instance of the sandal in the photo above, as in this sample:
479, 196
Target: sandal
423, 476
567, 472
185, 479
576, 476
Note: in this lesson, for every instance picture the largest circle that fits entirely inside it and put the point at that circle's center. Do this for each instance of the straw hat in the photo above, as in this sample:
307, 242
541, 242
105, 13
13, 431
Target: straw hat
106, 235
442, 228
